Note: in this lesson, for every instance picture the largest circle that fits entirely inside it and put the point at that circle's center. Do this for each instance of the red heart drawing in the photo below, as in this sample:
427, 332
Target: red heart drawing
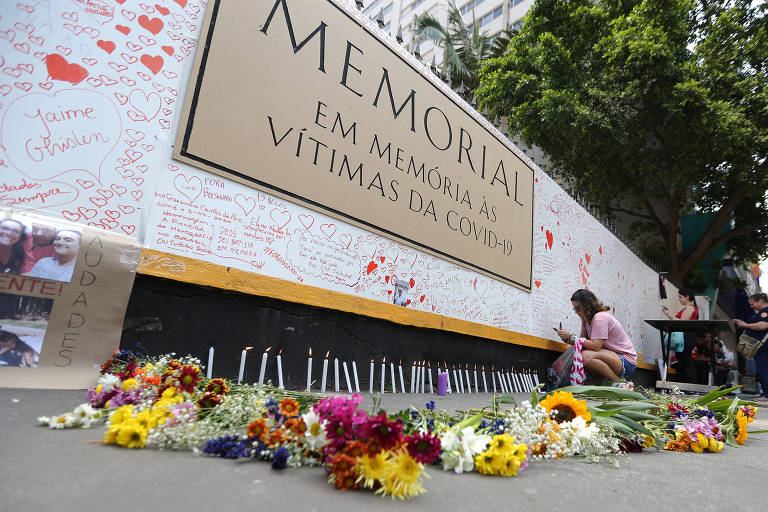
328, 229
386, 278
118, 189
162, 10
117, 67
421, 299
154, 25
371, 267
246, 203
306, 221
408, 302
167, 49
126, 209
281, 218
550, 238
87, 213
600, 250
86, 184
107, 46
412, 282
122, 28
182, 3
60, 69
538, 283
154, 64
587, 257
346, 239
191, 187
71, 216
128, 229
382, 258
389, 292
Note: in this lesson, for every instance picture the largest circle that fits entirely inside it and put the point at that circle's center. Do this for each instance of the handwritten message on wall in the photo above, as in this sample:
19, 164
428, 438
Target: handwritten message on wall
89, 91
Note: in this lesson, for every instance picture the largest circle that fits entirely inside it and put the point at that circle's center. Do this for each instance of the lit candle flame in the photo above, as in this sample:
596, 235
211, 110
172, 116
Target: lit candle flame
281, 351
248, 348
483, 368
310, 351
384, 360
326, 354
267, 350
371, 360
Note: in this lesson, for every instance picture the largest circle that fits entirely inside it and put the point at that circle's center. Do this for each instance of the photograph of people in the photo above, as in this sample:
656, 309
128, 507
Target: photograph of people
66, 244
13, 237
39, 245
608, 352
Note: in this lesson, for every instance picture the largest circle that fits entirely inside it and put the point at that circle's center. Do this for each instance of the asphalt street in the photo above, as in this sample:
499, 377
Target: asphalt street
71, 470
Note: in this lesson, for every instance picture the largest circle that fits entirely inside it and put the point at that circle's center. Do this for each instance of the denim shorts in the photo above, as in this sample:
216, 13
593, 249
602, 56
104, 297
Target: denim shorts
627, 368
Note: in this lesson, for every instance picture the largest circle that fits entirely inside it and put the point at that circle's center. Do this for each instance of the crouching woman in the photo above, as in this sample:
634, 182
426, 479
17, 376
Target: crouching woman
608, 352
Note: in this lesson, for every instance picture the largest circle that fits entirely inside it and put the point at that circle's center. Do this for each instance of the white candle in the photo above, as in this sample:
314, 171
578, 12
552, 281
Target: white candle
530, 380
485, 383
400, 370
392, 378
280, 369
413, 377
526, 384
512, 378
325, 372
501, 382
477, 390
263, 365
449, 377
336, 374
346, 376
209, 369
423, 370
309, 369
469, 384
459, 381
456, 381
242, 364
536, 378
357, 382
429, 373
383, 375
493, 379
370, 389
418, 376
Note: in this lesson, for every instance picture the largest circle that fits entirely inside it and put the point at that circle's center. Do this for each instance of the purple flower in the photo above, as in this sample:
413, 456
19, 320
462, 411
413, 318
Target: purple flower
280, 459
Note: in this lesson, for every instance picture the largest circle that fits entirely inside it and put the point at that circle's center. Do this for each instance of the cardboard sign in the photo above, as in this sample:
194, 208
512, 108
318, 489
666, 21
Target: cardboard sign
57, 327
333, 118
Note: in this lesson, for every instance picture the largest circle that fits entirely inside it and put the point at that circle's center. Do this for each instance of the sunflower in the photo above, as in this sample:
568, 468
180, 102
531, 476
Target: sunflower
563, 407
289, 407
372, 469
257, 429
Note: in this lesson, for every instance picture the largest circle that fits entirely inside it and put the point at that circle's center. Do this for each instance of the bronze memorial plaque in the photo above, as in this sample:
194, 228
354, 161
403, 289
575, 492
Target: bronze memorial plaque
297, 98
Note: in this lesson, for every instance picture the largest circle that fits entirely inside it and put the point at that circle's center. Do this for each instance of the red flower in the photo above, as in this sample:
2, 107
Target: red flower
188, 378
387, 433
217, 387
289, 407
423, 447
342, 463
257, 429
354, 449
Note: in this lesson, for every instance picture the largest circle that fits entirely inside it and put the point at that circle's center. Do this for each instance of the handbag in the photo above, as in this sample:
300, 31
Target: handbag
748, 346
559, 374
678, 341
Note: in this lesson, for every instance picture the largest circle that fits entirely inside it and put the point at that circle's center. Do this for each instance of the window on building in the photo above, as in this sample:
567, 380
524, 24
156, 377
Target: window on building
416, 4
513, 3
368, 10
387, 9
518, 26
490, 17
470, 5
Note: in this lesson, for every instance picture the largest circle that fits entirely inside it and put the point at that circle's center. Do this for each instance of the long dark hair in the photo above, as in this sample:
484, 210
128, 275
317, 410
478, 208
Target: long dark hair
17, 250
688, 293
759, 297
589, 303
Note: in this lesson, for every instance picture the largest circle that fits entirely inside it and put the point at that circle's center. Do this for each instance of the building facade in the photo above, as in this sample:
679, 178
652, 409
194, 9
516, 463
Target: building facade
493, 16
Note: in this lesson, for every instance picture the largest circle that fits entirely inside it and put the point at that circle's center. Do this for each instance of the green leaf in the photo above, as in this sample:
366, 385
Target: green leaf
604, 414
507, 399
757, 431
469, 422
606, 392
629, 406
632, 424
638, 416
618, 426
535, 395
714, 395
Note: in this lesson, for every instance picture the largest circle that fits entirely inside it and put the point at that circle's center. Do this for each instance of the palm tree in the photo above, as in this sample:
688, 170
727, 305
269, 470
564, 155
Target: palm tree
464, 48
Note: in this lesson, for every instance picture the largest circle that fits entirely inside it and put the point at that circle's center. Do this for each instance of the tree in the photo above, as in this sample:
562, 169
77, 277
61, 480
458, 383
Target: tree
464, 48
652, 109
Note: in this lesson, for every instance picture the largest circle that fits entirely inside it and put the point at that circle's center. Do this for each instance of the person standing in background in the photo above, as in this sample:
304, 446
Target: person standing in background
687, 312
756, 327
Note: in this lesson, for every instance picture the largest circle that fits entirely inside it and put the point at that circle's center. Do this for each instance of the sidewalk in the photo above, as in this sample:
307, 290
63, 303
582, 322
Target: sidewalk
70, 470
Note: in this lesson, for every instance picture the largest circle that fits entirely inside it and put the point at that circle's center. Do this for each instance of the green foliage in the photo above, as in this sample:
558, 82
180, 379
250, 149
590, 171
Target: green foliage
651, 108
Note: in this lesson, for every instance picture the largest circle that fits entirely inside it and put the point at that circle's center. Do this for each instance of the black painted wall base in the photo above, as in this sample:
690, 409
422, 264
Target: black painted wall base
169, 316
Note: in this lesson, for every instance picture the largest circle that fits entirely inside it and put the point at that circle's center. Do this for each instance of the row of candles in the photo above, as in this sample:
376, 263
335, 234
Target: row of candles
448, 380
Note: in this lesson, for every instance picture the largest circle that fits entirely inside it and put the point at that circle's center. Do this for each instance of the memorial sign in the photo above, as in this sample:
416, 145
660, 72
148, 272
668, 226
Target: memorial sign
298, 98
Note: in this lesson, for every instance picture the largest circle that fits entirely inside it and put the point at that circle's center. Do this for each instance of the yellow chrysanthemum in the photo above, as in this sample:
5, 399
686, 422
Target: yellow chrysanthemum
110, 436
99, 388
121, 414
489, 462
681, 442
502, 443
715, 446
132, 435
511, 465
128, 384
146, 419
648, 442
403, 477
741, 422
563, 407
169, 393
372, 469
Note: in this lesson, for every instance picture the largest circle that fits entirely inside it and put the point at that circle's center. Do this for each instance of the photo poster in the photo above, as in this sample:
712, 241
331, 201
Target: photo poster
64, 289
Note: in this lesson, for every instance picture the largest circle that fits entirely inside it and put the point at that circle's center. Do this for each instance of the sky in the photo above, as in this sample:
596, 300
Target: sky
764, 275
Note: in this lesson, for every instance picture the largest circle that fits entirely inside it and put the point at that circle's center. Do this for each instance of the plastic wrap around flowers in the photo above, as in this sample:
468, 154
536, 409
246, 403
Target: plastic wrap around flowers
166, 402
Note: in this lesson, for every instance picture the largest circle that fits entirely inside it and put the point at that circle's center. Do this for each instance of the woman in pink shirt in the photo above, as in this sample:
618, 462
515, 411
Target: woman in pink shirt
608, 351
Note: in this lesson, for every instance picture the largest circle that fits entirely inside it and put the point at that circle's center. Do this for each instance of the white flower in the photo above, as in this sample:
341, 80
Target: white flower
61, 421
315, 433
108, 381
459, 449
85, 412
472, 443
43, 421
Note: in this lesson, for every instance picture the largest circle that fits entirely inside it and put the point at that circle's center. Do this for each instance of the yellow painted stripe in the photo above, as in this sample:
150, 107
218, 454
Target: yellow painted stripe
180, 268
